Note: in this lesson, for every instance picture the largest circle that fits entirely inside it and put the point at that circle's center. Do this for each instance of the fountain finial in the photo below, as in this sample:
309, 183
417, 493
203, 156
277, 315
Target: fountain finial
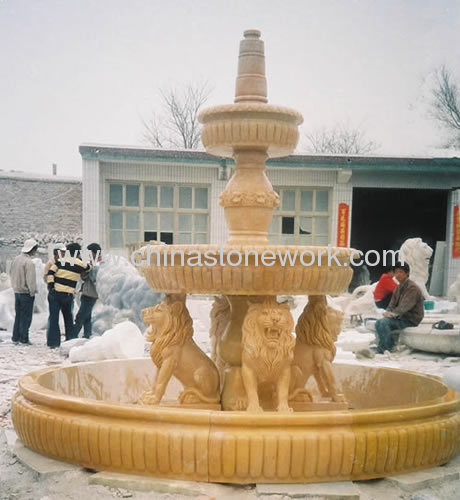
251, 84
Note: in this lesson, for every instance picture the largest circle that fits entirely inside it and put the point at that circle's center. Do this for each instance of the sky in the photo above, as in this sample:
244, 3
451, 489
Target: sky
89, 71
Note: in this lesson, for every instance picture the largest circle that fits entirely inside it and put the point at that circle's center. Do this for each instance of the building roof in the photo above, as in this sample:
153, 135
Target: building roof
28, 176
312, 161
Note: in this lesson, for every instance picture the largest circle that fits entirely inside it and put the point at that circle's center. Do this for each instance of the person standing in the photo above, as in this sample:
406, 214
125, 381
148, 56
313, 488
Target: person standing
24, 283
58, 253
88, 294
384, 289
62, 280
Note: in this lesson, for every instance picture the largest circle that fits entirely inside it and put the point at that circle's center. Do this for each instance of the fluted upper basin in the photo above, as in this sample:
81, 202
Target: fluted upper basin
293, 278
231, 127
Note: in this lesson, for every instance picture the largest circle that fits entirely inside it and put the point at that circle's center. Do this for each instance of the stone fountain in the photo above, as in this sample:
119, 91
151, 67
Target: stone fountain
269, 407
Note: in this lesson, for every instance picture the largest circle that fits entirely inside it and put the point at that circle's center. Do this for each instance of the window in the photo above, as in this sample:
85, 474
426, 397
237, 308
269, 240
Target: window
146, 212
302, 218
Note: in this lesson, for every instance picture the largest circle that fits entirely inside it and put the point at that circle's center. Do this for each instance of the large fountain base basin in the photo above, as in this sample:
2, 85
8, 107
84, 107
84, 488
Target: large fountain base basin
86, 414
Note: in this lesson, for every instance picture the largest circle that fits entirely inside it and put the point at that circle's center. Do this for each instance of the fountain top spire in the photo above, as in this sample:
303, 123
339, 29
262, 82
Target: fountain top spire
251, 83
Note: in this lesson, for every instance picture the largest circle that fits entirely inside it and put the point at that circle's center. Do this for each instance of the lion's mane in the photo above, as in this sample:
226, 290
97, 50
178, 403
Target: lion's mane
314, 326
415, 252
177, 329
219, 316
253, 342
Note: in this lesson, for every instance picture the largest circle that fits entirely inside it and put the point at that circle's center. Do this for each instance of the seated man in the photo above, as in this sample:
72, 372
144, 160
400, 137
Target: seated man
405, 309
384, 289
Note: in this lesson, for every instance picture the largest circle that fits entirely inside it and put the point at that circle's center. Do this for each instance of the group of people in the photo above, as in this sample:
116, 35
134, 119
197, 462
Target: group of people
403, 303
402, 299
62, 274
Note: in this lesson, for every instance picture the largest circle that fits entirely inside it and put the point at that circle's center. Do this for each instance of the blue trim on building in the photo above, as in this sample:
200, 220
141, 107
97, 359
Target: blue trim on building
363, 163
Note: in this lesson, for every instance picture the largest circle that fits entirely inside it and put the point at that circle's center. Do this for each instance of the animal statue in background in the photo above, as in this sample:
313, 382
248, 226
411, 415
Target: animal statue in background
417, 254
170, 329
317, 329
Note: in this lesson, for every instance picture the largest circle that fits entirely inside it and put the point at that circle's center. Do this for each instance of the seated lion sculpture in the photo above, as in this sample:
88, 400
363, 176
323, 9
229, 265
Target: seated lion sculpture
317, 329
267, 352
175, 353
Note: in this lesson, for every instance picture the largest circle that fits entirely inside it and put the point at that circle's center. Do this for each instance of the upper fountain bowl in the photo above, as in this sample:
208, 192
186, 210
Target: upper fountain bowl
250, 125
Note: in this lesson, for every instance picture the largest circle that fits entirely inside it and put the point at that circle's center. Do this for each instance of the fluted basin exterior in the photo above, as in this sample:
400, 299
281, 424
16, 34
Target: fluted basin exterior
84, 414
230, 127
275, 279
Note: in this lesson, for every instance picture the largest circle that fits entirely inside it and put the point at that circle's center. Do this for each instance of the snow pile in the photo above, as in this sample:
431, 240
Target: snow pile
41, 297
123, 293
7, 309
4, 282
123, 341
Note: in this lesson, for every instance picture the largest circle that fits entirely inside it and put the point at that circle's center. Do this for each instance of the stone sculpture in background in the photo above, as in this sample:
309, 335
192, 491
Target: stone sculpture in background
454, 292
220, 318
361, 304
317, 329
268, 349
417, 254
170, 329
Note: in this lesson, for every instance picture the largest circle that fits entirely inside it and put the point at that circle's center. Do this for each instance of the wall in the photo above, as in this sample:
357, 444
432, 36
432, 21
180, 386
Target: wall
48, 209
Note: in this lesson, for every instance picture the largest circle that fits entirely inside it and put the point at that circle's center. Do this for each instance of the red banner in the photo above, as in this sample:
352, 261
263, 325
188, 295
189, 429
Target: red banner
456, 233
342, 225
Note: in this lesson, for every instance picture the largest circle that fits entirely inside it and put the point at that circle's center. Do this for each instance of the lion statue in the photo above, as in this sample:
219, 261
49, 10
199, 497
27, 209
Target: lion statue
267, 352
175, 353
220, 318
317, 329
417, 254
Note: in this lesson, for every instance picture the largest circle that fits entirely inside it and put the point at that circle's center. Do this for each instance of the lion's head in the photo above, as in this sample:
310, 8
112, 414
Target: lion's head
267, 331
169, 324
417, 254
319, 324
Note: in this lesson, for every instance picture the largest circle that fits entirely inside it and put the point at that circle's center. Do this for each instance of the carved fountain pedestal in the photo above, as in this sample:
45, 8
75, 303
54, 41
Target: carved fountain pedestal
273, 407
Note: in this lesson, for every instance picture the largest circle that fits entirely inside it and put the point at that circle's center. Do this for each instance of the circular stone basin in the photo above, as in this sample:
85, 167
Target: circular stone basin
283, 276
86, 414
428, 339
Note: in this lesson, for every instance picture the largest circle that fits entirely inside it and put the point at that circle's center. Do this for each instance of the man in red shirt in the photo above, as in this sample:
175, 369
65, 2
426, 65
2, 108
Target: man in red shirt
384, 289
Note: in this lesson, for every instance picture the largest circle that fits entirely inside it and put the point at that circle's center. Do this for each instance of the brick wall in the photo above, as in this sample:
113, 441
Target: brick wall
47, 209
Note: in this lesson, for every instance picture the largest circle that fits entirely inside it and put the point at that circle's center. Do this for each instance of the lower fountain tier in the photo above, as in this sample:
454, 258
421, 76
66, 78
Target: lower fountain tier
307, 273
84, 414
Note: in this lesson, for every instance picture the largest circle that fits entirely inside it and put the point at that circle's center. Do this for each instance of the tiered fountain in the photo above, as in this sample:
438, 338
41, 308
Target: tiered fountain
269, 407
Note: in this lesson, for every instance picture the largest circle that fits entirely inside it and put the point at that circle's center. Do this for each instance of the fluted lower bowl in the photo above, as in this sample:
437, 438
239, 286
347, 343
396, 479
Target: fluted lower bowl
250, 125
279, 275
86, 414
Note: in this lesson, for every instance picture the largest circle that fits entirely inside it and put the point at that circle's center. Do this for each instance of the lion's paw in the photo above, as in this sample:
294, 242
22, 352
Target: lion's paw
339, 398
240, 404
254, 408
302, 396
148, 398
190, 399
284, 408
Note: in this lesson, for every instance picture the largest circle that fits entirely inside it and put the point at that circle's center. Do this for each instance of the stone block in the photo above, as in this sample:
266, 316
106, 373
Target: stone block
40, 464
339, 490
428, 478
170, 486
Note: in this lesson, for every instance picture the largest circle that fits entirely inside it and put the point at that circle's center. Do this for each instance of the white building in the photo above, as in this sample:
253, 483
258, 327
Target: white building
141, 194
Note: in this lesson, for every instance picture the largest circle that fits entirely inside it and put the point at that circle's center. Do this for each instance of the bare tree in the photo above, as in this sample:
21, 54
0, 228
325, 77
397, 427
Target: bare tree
339, 140
445, 104
176, 125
